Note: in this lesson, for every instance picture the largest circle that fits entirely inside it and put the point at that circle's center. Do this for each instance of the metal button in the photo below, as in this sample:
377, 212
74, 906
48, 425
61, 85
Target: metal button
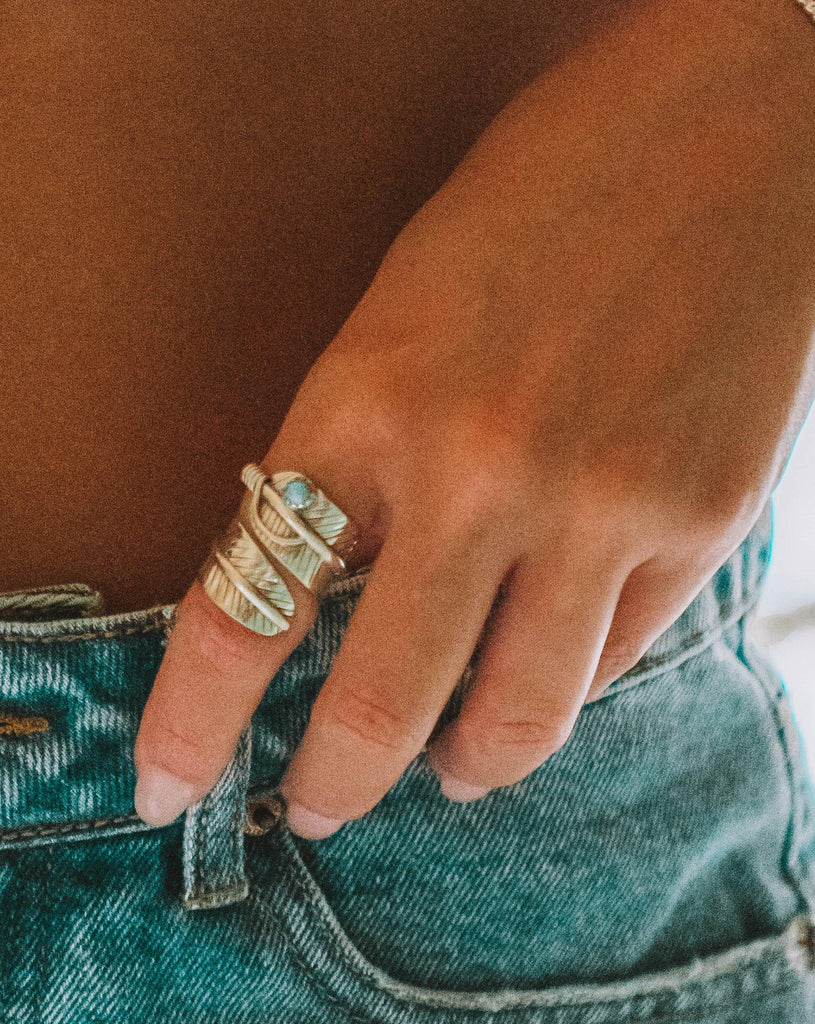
263, 812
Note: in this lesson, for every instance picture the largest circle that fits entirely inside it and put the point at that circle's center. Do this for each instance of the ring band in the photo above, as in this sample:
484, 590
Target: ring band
283, 520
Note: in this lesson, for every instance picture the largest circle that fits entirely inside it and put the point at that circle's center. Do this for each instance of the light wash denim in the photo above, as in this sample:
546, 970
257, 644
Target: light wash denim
659, 868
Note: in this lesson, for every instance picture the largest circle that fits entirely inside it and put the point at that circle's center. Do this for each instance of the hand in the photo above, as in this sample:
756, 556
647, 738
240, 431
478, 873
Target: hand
578, 373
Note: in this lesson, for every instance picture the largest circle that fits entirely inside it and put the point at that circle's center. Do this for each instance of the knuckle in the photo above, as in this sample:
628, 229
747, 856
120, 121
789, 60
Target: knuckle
368, 719
222, 644
621, 656
221, 654
711, 504
719, 510
524, 741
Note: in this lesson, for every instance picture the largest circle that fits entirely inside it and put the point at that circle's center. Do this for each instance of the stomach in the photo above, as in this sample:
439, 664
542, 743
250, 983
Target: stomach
192, 201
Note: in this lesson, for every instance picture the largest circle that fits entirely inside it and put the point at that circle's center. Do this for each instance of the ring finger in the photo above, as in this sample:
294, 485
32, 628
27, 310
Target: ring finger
537, 662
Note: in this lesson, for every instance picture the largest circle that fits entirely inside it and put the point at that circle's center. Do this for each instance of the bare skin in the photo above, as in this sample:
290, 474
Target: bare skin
192, 200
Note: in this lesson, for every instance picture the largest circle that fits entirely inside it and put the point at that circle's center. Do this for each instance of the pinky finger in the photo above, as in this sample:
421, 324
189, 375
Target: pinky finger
655, 594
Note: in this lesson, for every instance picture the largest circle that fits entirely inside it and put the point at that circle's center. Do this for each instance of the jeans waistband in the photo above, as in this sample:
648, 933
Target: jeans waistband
73, 684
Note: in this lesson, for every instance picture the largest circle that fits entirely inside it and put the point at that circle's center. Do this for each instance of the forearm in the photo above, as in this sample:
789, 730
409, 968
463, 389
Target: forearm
725, 85
756, 56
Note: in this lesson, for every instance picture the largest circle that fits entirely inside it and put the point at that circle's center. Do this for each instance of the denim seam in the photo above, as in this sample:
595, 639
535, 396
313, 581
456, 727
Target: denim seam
635, 676
162, 618
200, 894
293, 949
704, 1018
794, 877
156, 626
332, 946
10, 835
62, 638
612, 1006
198, 858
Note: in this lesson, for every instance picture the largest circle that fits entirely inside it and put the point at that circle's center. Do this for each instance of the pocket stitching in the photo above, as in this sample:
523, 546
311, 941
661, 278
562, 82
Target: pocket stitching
339, 945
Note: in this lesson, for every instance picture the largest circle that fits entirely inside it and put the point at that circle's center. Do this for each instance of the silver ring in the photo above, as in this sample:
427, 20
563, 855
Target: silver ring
283, 520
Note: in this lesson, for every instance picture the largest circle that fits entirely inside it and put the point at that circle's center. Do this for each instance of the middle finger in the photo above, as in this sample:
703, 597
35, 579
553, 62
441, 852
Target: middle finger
409, 641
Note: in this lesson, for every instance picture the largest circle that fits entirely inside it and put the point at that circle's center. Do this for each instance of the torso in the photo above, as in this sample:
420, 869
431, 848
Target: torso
193, 198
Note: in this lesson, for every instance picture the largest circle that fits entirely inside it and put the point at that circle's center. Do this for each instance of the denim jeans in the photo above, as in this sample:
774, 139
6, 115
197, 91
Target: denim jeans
658, 868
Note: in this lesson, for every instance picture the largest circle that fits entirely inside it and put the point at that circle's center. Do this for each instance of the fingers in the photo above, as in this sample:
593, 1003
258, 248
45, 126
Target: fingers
655, 594
212, 678
409, 640
570, 618
537, 661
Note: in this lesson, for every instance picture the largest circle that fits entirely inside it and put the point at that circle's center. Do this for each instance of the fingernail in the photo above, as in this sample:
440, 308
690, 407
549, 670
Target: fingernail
161, 797
310, 825
458, 791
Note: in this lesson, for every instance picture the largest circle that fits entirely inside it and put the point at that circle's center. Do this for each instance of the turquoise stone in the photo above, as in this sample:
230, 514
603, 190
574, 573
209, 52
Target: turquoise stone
298, 494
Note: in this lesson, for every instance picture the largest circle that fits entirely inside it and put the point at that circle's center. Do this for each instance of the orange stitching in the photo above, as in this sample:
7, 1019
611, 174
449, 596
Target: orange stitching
22, 725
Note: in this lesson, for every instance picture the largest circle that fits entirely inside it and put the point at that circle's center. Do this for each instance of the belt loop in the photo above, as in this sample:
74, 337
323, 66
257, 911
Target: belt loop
212, 846
51, 603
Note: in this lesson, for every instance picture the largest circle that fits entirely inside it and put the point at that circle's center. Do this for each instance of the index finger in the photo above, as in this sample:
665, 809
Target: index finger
213, 676
216, 669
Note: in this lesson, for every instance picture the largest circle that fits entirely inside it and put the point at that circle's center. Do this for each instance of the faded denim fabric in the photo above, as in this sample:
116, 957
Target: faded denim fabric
659, 868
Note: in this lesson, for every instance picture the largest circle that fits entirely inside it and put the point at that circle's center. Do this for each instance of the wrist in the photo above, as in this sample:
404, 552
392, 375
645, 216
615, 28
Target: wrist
721, 85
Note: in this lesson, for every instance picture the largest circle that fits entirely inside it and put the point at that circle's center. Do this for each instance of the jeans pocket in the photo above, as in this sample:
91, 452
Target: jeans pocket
321, 975
641, 873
